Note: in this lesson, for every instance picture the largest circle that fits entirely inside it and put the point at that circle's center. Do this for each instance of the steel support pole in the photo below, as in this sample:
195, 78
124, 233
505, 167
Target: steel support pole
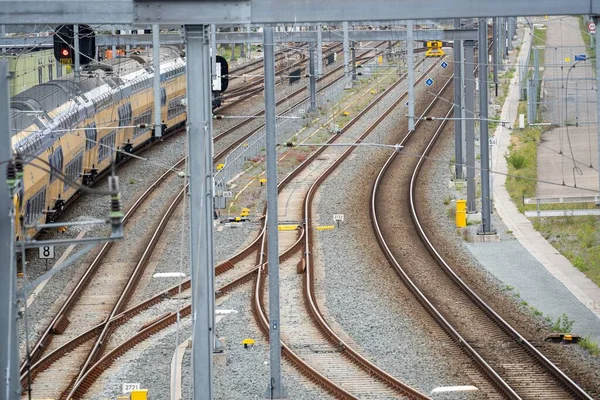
232, 57
506, 35
242, 45
9, 346
502, 43
597, 49
463, 107
411, 75
3, 34
346, 54
458, 94
275, 389
312, 83
320, 50
114, 46
495, 45
157, 95
354, 77
213, 52
486, 220
470, 124
199, 134
76, 51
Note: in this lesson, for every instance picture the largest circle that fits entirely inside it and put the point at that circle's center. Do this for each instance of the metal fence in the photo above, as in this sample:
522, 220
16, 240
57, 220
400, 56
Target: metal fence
564, 91
288, 124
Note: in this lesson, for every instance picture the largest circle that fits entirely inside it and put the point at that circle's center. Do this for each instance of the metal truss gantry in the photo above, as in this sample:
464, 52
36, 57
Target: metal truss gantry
196, 16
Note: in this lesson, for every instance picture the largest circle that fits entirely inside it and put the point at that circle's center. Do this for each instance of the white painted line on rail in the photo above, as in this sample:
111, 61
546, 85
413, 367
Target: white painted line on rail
169, 275
444, 389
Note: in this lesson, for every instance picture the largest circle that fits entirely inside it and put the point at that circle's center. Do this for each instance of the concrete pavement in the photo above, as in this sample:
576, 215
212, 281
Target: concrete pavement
557, 265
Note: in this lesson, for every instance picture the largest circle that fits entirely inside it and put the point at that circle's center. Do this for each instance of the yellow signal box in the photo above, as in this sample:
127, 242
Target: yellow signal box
434, 49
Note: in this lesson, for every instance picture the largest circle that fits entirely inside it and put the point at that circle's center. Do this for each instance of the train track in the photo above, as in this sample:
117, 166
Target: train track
121, 318
60, 320
514, 366
315, 348
102, 329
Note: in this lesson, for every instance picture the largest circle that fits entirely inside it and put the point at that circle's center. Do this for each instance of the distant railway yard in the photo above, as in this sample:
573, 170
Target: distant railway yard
424, 238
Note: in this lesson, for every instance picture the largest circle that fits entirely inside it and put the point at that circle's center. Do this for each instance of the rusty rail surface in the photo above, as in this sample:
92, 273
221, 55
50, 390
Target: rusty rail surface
492, 375
324, 328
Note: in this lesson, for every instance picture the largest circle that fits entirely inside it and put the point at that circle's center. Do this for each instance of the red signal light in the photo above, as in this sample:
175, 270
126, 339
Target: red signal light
65, 52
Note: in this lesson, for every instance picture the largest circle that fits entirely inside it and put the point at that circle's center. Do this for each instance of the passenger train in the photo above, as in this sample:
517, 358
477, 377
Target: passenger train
77, 127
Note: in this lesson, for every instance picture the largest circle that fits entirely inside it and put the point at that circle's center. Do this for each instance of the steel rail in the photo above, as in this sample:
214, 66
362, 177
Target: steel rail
258, 304
432, 310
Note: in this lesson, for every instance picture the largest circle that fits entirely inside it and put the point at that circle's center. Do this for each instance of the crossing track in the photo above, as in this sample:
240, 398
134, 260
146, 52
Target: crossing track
327, 80
59, 322
335, 365
120, 318
513, 365
95, 360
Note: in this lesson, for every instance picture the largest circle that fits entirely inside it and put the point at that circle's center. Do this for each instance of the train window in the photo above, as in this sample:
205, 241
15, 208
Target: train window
56, 164
34, 207
107, 146
91, 135
163, 97
145, 118
175, 108
73, 170
125, 114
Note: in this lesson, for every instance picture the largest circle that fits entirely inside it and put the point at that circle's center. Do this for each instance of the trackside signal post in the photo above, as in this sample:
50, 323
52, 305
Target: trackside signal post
486, 217
275, 389
200, 167
9, 346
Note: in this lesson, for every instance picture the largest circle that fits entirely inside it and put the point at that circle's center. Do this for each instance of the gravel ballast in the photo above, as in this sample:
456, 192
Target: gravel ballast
362, 293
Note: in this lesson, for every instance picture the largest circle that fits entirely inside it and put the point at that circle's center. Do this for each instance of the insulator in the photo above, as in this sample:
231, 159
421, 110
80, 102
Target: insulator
116, 213
11, 174
19, 166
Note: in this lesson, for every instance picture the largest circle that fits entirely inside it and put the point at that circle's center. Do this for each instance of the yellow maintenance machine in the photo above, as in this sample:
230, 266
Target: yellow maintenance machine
434, 49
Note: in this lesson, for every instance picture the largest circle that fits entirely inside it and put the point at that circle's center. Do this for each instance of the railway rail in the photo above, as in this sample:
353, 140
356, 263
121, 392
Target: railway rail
60, 321
95, 360
515, 367
356, 377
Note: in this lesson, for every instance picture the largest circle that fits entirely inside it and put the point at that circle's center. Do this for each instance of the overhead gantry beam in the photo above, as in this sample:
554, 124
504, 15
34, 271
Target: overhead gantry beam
274, 11
253, 37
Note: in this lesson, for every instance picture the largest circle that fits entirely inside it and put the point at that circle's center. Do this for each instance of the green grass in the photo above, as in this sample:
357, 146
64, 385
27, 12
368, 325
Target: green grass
587, 39
562, 324
577, 239
522, 162
590, 346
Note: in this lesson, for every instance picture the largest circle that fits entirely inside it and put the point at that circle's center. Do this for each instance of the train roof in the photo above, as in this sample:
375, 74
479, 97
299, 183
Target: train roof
43, 98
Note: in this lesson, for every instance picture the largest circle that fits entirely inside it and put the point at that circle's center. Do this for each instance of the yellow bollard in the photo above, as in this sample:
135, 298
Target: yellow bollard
461, 213
141, 394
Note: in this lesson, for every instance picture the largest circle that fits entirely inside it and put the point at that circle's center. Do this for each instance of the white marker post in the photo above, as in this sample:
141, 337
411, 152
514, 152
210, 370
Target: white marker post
46, 253
337, 218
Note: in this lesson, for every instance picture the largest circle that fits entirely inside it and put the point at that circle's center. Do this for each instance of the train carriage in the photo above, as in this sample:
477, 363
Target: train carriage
80, 128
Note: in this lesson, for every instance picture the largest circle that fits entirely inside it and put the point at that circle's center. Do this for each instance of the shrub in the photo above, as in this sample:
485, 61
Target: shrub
590, 345
517, 160
563, 324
